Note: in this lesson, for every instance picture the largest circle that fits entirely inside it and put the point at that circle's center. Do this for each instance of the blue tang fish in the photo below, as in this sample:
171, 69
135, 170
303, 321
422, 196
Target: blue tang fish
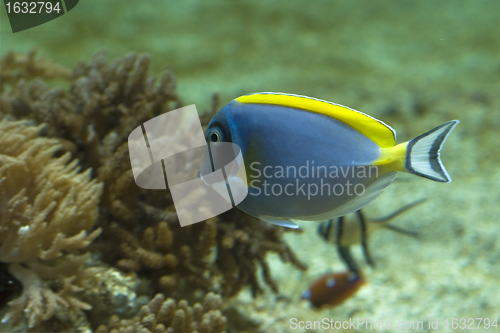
307, 159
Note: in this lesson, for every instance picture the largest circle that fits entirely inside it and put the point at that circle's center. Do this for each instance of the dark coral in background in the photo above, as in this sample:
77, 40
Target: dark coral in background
90, 112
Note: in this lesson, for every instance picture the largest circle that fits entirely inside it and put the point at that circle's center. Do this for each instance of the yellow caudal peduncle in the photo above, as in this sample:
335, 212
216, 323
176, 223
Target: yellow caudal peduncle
393, 158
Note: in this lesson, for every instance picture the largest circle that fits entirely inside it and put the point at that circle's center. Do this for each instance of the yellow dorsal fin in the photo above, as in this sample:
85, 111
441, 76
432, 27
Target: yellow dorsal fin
379, 132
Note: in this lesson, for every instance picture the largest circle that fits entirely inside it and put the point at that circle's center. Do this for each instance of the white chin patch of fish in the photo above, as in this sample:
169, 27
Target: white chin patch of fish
237, 188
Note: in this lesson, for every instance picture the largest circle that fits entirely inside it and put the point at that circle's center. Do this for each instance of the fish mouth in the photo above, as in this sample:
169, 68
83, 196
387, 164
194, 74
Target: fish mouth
216, 184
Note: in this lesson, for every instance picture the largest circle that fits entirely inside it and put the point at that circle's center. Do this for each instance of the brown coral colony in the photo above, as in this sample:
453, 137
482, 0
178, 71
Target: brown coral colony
51, 212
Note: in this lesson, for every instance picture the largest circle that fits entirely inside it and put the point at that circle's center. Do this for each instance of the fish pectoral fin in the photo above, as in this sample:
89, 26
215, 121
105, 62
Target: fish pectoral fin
280, 222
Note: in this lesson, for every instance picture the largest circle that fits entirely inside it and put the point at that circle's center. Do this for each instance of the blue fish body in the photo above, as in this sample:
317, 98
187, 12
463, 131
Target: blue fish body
308, 159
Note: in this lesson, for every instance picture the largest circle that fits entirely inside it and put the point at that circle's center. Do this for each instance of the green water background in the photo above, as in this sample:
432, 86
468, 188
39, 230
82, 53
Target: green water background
320, 48
413, 64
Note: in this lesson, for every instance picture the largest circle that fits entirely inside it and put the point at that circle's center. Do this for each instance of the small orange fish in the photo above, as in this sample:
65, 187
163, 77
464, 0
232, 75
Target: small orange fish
334, 288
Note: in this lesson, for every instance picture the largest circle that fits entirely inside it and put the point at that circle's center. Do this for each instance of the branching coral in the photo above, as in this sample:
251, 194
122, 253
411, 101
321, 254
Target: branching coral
39, 301
165, 316
92, 119
47, 210
14, 67
222, 253
243, 241
105, 102
177, 264
47, 206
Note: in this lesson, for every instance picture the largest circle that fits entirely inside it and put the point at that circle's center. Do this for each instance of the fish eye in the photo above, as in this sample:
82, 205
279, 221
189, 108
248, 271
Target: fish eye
215, 135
